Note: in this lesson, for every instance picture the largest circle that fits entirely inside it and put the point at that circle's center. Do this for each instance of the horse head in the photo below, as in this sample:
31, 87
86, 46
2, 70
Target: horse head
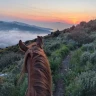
38, 43
38, 68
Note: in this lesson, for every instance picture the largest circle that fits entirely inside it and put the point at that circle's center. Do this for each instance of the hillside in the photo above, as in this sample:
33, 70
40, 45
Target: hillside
21, 26
79, 80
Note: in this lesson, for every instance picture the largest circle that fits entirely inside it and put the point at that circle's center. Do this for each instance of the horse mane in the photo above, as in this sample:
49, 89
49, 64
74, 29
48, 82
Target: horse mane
41, 78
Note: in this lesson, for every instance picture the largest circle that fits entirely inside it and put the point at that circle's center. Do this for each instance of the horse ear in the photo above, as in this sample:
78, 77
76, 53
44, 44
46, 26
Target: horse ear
22, 46
39, 41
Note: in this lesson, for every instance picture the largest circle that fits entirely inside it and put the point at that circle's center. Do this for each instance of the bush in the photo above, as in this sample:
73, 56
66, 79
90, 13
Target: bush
56, 58
80, 37
55, 63
55, 46
64, 51
75, 60
91, 47
56, 33
23, 87
88, 47
93, 58
83, 23
85, 57
83, 85
8, 89
8, 59
17, 68
71, 44
48, 51
93, 35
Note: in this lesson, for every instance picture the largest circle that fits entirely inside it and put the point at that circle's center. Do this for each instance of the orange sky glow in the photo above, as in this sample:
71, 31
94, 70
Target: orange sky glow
72, 18
70, 11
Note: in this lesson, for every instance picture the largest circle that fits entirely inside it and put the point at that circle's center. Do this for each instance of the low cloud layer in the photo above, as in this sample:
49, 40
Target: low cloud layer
8, 38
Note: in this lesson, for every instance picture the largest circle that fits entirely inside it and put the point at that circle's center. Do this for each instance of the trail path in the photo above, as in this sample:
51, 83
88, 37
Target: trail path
59, 90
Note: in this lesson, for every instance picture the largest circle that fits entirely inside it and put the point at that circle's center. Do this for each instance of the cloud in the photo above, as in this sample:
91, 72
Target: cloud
8, 38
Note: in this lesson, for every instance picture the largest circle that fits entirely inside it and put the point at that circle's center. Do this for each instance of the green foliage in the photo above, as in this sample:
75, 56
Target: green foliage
55, 63
6, 89
48, 51
55, 46
23, 87
79, 80
93, 35
85, 57
9, 59
56, 33
80, 37
93, 58
75, 60
71, 44
64, 51
83, 85
69, 77
88, 47
56, 58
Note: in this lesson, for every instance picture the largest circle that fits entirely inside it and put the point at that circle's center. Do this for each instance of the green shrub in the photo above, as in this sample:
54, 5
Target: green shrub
93, 58
8, 89
55, 64
69, 77
48, 52
80, 37
71, 44
63, 51
85, 57
55, 46
17, 68
88, 47
83, 85
23, 87
8, 59
56, 58
75, 60
56, 33
85, 47
93, 35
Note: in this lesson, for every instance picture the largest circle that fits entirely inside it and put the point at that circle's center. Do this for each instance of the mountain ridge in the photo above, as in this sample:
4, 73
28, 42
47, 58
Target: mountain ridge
21, 26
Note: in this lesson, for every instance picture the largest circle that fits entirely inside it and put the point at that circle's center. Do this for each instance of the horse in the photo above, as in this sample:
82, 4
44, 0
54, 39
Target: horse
38, 68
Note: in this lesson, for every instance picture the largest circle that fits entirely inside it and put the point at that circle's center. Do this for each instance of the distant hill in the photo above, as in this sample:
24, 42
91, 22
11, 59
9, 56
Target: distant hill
21, 26
52, 25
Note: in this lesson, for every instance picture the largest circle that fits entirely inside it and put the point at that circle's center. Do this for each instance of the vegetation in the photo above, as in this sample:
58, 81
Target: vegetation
80, 79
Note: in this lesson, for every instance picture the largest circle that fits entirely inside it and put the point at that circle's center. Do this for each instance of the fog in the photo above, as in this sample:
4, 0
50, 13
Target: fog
8, 38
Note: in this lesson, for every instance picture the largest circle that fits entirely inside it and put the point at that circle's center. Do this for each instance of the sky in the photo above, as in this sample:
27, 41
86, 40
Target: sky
69, 11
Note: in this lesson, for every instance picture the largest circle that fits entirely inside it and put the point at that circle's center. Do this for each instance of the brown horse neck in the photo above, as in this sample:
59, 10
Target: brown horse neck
38, 75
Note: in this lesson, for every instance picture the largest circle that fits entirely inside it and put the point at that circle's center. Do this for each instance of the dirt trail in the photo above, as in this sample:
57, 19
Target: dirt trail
59, 90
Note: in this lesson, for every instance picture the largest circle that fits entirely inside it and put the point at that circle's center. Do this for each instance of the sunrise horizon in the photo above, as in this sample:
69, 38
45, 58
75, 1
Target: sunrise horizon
25, 18
71, 12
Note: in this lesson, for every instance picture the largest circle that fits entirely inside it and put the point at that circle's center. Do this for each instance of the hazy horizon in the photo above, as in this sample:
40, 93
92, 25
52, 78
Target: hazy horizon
45, 13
